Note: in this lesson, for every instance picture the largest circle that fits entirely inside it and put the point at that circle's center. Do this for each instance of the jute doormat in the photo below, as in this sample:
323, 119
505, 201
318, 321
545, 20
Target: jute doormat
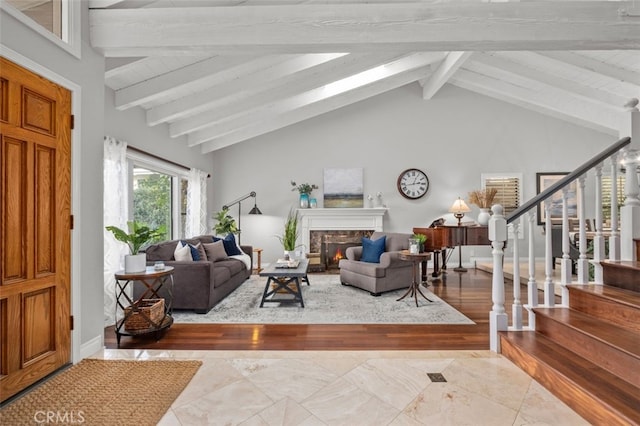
103, 392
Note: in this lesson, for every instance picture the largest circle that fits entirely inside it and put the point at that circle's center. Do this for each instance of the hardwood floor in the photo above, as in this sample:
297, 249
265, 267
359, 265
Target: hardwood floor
469, 292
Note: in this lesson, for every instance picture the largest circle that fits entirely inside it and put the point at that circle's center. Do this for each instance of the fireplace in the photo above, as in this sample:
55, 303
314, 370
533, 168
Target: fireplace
353, 223
332, 245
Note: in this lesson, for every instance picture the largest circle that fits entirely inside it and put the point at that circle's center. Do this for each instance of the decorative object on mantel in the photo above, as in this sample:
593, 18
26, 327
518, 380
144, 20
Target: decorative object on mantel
379, 202
459, 208
138, 236
305, 190
290, 234
343, 188
483, 198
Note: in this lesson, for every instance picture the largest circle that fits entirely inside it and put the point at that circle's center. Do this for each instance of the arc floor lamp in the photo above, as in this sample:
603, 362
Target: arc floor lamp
238, 201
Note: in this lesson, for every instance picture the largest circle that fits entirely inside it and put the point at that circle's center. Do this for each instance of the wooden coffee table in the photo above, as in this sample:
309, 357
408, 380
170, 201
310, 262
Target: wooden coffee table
285, 280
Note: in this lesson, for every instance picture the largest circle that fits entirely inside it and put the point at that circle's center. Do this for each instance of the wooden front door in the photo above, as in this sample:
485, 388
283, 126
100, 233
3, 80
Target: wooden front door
35, 223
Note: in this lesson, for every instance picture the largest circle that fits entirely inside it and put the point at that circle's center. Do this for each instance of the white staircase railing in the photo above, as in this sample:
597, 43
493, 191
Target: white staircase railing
625, 231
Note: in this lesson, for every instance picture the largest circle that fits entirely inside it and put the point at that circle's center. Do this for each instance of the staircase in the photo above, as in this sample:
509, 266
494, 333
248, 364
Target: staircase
588, 354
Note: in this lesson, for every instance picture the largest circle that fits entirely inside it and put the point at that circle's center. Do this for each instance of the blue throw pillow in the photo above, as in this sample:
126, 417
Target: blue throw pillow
373, 249
229, 243
195, 254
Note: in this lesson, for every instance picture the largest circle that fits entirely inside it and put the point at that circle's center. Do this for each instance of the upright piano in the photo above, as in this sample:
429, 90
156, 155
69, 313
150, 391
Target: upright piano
441, 238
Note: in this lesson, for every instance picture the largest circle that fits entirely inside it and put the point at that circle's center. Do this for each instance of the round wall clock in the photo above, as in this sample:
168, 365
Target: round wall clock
413, 183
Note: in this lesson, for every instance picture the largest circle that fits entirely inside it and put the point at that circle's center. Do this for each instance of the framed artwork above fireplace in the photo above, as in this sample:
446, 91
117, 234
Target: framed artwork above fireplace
343, 188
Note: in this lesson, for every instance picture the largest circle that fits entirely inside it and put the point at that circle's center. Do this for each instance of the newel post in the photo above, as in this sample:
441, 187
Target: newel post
630, 212
498, 320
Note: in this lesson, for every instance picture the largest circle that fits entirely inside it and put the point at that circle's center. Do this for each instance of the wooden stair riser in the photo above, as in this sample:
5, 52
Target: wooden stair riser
622, 315
588, 406
621, 276
601, 353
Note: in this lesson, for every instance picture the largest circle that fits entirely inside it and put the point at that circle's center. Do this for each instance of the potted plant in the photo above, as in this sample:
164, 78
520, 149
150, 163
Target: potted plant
421, 239
135, 239
483, 198
226, 223
305, 190
290, 234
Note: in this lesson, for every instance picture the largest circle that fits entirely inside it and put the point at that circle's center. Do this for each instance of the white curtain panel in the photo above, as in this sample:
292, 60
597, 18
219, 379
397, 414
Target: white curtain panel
196, 223
115, 214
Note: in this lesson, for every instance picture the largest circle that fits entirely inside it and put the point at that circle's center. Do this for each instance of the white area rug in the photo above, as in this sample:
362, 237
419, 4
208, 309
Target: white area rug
326, 301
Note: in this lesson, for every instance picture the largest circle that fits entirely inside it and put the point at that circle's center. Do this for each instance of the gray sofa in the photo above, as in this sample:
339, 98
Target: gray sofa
198, 285
390, 273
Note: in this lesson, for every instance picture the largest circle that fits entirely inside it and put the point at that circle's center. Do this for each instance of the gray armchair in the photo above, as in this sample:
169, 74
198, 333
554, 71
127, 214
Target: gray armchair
390, 273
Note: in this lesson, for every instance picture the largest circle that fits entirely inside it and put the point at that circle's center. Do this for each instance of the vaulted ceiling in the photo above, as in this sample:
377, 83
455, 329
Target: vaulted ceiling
224, 71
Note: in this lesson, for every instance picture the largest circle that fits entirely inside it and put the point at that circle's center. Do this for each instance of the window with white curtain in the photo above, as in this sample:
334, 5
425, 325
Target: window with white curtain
158, 194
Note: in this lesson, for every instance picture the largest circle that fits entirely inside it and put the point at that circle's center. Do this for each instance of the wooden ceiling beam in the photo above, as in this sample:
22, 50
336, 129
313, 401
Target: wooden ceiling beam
601, 119
264, 98
311, 28
441, 75
505, 62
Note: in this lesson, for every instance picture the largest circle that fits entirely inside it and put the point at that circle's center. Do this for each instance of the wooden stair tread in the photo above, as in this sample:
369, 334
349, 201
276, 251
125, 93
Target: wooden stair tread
610, 390
614, 335
627, 264
620, 295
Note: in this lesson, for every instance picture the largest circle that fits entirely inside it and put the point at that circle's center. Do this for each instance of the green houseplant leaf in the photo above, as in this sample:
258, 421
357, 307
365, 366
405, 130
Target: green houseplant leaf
290, 234
226, 223
137, 236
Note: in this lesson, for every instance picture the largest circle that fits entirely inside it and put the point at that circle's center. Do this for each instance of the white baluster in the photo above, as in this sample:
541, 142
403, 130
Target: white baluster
614, 239
516, 307
583, 262
532, 286
567, 264
498, 320
598, 241
549, 287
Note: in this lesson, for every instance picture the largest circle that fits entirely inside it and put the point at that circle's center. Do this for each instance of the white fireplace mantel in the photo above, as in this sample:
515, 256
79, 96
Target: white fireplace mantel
338, 219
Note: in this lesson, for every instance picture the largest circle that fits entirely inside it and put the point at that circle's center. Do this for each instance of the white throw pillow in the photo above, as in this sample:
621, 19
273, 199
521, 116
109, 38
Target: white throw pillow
182, 252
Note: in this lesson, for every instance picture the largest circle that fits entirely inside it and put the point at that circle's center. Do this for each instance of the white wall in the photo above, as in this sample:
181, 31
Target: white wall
454, 138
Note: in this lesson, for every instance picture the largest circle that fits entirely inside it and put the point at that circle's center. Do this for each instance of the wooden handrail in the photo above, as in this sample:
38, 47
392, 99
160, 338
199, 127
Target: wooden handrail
597, 159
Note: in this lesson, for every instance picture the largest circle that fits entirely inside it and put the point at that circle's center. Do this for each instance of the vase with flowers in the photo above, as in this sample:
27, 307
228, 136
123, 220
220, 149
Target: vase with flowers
305, 190
483, 198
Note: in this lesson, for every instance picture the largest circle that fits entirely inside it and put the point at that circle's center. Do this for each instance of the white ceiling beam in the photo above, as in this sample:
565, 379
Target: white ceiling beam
265, 112
311, 28
244, 86
314, 109
503, 63
596, 66
264, 98
100, 4
441, 75
601, 119
188, 78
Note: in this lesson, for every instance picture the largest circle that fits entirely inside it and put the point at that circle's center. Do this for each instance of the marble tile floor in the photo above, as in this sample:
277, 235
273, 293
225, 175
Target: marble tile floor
356, 388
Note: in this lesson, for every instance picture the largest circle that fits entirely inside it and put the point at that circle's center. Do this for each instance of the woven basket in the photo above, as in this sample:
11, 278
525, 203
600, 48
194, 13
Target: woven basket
153, 308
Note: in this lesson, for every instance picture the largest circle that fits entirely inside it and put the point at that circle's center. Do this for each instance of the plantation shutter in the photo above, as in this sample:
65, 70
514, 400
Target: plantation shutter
508, 194
606, 195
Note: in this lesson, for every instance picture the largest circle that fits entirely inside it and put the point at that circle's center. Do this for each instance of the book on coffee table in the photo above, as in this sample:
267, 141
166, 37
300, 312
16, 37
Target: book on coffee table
282, 263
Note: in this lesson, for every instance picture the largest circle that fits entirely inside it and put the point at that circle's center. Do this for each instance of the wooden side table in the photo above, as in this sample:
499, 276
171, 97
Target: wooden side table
414, 288
153, 281
258, 269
